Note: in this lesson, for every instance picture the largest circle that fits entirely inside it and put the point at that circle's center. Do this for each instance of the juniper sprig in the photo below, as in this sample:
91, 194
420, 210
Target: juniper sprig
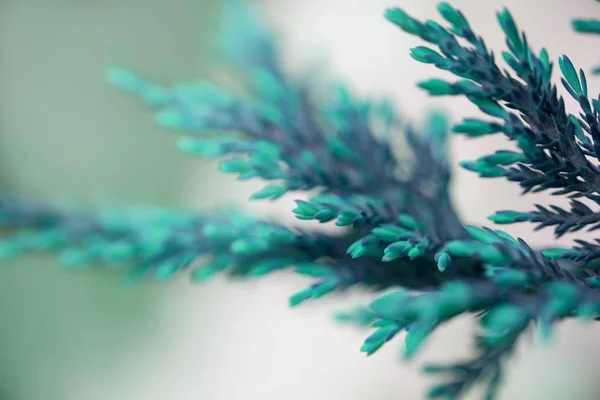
396, 224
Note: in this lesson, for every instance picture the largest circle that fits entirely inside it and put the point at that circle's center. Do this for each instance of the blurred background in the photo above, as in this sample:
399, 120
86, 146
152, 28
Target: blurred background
65, 133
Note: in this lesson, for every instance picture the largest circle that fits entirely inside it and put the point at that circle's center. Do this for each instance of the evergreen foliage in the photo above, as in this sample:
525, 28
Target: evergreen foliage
396, 224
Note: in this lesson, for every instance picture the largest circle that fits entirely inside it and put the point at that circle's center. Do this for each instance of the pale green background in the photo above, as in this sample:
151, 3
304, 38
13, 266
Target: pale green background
65, 132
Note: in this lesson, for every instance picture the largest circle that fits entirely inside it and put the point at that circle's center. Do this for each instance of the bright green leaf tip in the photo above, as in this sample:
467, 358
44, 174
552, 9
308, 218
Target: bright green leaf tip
246, 247
587, 25
305, 209
170, 119
404, 21
119, 252
554, 254
395, 15
461, 248
202, 274
370, 348
437, 87
314, 270
387, 306
425, 55
236, 165
204, 148
451, 15
443, 261
166, 271
269, 191
508, 217
358, 252
587, 311
123, 79
414, 340
570, 74
409, 222
358, 316
300, 297
475, 127
9, 250
594, 281
73, 258
415, 252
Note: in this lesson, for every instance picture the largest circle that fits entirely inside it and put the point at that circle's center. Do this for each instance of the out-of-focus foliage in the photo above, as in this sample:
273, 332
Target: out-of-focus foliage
63, 132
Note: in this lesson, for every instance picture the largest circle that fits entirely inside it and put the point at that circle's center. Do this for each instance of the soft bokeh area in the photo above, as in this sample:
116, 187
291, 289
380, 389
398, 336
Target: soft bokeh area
66, 134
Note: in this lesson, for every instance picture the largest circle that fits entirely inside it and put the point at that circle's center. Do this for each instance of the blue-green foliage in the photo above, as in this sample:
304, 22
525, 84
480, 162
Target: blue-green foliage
396, 225
589, 25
